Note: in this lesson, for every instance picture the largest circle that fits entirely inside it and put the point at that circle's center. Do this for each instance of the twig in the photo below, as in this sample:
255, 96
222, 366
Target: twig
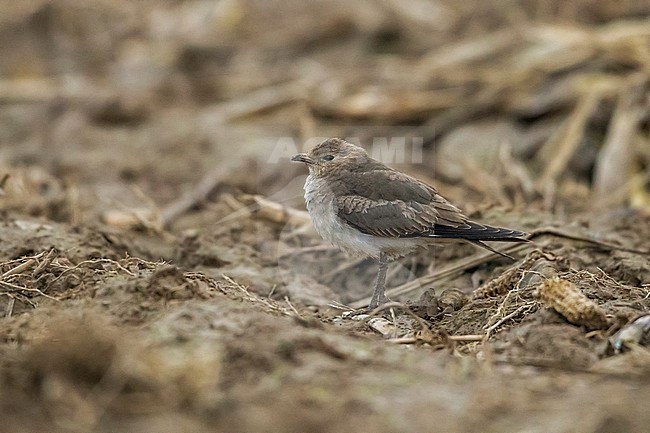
561, 234
505, 319
286, 299
45, 262
339, 306
95, 261
18, 269
279, 213
402, 340
471, 337
490, 326
461, 338
19, 296
26, 289
253, 298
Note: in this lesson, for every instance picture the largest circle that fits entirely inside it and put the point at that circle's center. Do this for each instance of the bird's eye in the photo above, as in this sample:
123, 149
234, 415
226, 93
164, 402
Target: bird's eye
328, 157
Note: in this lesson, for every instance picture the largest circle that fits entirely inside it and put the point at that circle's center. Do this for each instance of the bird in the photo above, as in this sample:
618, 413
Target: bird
369, 209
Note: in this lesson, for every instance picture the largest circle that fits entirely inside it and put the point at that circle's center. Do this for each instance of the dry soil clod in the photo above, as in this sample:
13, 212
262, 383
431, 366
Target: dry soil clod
565, 298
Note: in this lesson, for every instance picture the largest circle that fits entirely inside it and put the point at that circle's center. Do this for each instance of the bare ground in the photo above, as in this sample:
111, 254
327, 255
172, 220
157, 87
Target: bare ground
157, 272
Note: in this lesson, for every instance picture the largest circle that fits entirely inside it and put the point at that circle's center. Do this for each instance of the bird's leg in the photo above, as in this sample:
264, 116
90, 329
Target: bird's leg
378, 295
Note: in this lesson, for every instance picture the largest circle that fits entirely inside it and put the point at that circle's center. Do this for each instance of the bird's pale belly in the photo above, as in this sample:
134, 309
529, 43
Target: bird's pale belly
323, 211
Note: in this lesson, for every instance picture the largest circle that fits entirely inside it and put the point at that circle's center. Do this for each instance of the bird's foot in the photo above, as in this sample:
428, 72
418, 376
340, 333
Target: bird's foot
376, 303
364, 312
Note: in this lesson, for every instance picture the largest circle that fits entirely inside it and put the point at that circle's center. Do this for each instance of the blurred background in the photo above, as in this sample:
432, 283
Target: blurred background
158, 271
130, 105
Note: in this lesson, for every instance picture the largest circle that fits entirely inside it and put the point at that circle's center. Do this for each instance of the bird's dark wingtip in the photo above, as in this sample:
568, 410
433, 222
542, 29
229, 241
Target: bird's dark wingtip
489, 248
473, 231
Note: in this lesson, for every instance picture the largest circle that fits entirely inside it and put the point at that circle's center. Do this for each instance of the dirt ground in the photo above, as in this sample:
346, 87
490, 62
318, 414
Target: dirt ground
158, 272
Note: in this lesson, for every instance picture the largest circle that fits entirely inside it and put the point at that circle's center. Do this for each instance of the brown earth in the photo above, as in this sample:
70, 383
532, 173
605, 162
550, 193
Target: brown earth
157, 272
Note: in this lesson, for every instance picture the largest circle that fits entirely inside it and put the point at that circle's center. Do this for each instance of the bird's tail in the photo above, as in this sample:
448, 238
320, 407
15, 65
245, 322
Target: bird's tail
476, 234
472, 231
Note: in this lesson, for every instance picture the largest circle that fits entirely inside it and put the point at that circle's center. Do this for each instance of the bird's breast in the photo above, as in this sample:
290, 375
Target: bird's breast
321, 205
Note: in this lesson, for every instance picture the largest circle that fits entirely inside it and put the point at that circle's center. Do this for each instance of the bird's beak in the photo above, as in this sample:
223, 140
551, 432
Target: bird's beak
302, 157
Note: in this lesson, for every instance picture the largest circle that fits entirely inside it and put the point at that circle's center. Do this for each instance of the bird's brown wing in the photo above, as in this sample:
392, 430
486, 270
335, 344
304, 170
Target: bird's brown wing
388, 203
391, 204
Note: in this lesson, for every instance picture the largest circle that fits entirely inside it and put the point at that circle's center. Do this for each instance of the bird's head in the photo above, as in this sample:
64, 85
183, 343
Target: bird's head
331, 156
